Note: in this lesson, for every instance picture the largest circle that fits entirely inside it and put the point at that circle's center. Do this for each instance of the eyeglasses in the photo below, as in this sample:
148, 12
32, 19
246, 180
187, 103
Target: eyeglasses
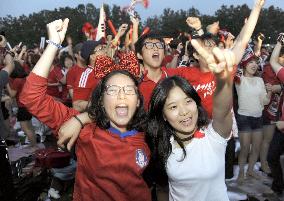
150, 45
113, 90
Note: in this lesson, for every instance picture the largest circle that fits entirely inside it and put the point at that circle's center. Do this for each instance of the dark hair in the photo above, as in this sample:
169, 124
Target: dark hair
159, 131
97, 112
203, 38
63, 57
281, 52
140, 42
174, 43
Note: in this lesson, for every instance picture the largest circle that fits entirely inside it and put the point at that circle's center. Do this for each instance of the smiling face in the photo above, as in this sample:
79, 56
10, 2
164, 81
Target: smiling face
181, 112
120, 101
250, 68
153, 53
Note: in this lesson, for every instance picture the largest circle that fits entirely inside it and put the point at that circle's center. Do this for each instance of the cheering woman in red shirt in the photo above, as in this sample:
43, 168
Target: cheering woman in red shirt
111, 151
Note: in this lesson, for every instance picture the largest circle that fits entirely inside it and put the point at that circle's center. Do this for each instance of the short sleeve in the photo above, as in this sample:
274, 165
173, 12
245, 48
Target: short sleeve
280, 74
212, 134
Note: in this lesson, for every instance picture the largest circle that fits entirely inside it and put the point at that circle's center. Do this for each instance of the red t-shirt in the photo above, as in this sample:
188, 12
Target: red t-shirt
109, 167
72, 75
274, 106
167, 59
55, 76
147, 86
280, 74
17, 84
84, 85
26, 68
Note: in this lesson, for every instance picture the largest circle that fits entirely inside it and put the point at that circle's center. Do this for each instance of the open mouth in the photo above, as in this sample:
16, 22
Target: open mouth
186, 122
121, 110
156, 55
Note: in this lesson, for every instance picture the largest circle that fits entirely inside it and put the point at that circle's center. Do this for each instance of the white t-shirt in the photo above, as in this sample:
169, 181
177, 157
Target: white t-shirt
251, 96
201, 175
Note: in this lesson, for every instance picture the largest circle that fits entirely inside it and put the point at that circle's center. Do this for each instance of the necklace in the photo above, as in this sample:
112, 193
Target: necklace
189, 137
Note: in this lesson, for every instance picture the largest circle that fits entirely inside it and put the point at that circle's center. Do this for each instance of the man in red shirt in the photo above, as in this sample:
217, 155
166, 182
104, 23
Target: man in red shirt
76, 70
84, 84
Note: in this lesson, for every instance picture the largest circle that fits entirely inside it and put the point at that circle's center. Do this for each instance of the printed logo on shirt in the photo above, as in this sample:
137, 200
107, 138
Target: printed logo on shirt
206, 89
141, 158
84, 77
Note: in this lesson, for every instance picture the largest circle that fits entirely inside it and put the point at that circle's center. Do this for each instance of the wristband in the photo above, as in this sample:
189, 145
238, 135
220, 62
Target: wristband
281, 38
53, 43
11, 53
200, 32
82, 125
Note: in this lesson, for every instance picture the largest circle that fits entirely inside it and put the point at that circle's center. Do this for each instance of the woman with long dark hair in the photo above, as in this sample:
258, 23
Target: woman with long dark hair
111, 151
187, 147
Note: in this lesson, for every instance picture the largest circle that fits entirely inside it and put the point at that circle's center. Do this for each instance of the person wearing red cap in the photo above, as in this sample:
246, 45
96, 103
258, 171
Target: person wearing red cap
252, 96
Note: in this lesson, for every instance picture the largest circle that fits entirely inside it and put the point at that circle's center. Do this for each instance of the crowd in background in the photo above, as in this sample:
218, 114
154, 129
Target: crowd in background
78, 71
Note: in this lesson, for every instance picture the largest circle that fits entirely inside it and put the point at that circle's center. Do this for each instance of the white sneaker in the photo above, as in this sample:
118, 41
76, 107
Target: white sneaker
53, 193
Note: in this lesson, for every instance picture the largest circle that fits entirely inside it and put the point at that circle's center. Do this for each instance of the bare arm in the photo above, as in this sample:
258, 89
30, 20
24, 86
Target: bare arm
135, 22
80, 105
56, 32
247, 30
274, 58
11, 92
70, 130
9, 67
258, 45
220, 63
174, 62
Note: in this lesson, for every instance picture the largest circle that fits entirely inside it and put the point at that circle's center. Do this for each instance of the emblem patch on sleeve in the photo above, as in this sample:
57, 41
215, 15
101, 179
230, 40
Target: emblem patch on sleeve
141, 158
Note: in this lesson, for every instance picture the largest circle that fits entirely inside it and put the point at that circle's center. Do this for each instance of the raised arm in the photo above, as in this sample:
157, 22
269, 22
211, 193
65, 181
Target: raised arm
247, 30
221, 63
275, 54
33, 95
135, 23
9, 63
56, 32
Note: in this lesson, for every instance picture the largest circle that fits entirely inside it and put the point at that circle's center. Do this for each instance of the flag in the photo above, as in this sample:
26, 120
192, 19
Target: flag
101, 26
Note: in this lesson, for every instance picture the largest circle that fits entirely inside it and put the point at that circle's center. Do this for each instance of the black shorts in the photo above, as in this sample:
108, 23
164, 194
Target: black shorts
247, 123
23, 114
5, 111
